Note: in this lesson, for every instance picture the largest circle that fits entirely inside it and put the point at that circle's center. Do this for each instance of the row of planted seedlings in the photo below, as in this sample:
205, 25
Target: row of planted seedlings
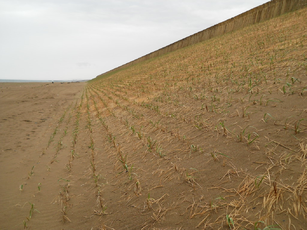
195, 120
115, 120
61, 125
138, 129
60, 144
246, 98
119, 139
242, 113
183, 138
181, 147
92, 143
64, 197
189, 177
77, 114
167, 97
95, 171
145, 131
165, 169
200, 120
64, 182
82, 118
198, 89
233, 217
115, 136
145, 126
148, 105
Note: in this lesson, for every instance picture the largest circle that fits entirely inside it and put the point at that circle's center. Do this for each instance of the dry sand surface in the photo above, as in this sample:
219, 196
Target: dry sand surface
28, 116
213, 136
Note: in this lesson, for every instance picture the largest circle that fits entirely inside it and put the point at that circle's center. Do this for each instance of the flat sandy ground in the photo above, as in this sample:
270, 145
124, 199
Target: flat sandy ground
28, 114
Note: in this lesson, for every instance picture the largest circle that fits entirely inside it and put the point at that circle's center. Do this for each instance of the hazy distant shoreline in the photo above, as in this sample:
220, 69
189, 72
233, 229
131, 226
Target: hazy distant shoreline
33, 81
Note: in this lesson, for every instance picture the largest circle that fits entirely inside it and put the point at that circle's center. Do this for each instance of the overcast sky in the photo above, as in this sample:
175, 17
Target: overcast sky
80, 39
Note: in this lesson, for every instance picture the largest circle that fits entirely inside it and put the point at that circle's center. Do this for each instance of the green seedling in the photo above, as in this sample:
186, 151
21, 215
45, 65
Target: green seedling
111, 139
240, 136
159, 151
62, 179
93, 166
72, 153
250, 140
39, 186
150, 143
198, 125
297, 126
271, 227
133, 130
140, 135
213, 205
193, 148
32, 210
224, 128
284, 89
91, 146
266, 117
189, 177
230, 221
293, 80
21, 187
123, 160
214, 156
25, 224
96, 178
259, 182
272, 100
31, 172
222, 154
130, 172
303, 90
244, 111
126, 167
68, 166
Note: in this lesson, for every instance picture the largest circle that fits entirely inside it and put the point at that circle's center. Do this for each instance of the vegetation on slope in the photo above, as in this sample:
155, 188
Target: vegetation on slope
226, 117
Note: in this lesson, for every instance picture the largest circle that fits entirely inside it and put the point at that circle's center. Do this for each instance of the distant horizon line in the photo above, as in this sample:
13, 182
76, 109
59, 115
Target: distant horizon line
20, 80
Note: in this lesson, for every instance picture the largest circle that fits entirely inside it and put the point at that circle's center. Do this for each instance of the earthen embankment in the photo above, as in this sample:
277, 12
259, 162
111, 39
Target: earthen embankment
256, 15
